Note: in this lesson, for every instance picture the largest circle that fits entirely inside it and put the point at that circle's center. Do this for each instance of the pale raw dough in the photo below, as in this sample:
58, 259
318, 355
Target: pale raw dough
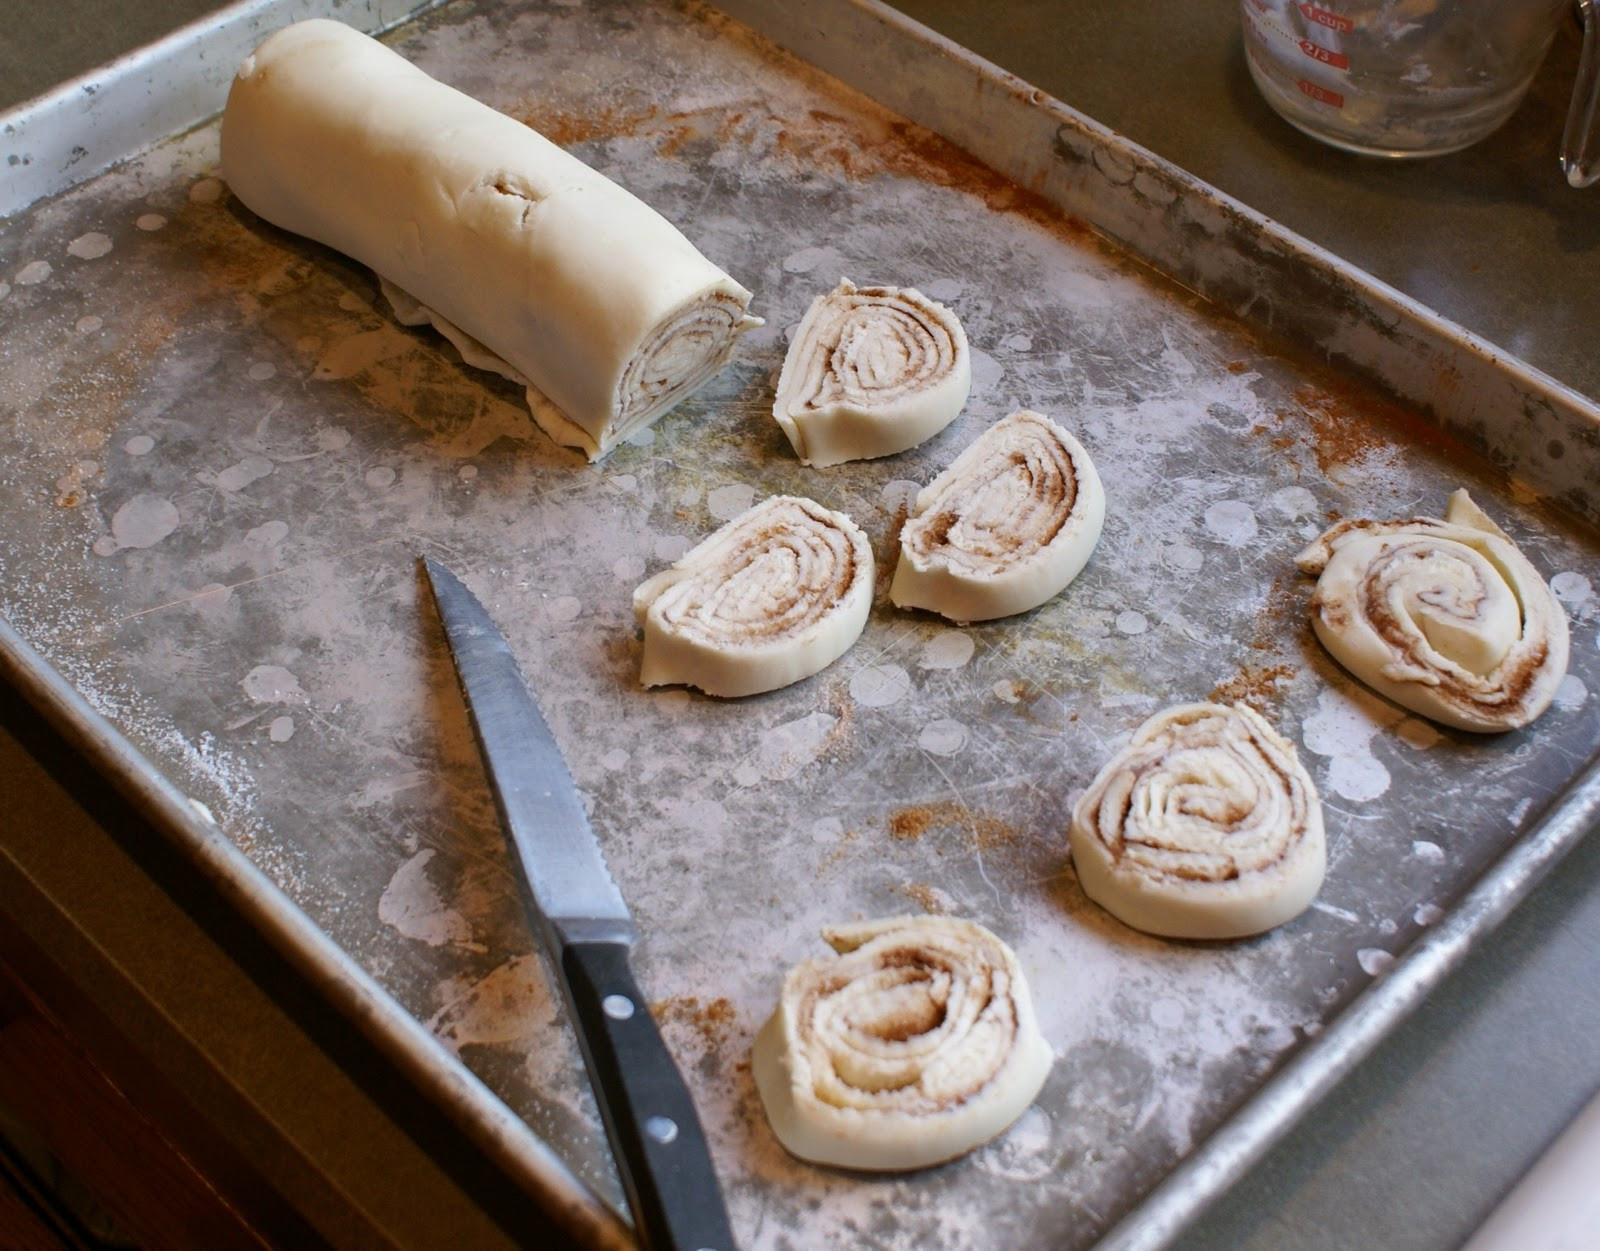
1007, 526
1446, 618
914, 1045
1205, 826
530, 261
775, 595
871, 371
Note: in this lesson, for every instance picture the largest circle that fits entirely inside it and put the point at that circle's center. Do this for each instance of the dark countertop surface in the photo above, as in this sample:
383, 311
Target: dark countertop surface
1412, 1151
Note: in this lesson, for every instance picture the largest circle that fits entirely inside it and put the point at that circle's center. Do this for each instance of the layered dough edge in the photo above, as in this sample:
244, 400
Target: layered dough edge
774, 596
914, 1044
1445, 617
1005, 527
1205, 826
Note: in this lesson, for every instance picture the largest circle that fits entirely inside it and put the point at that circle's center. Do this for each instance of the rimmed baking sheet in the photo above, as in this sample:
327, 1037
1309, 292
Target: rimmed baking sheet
222, 457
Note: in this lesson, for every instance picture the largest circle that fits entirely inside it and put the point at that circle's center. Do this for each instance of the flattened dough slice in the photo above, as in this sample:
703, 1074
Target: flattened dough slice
1447, 618
775, 595
530, 261
912, 1046
1007, 526
1205, 826
871, 371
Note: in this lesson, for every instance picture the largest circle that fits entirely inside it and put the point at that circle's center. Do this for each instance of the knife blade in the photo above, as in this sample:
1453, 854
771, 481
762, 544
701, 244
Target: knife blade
655, 1134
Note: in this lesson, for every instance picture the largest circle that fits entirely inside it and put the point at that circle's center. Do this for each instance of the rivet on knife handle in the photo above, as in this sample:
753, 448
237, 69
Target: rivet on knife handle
656, 1138
649, 1115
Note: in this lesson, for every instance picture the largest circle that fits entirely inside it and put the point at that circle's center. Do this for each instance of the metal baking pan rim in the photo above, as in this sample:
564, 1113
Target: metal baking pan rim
1261, 1121
1156, 211
503, 1136
110, 114
1265, 1117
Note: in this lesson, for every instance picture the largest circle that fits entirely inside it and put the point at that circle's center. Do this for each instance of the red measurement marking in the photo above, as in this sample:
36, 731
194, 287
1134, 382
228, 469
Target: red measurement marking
1321, 94
1324, 18
1326, 55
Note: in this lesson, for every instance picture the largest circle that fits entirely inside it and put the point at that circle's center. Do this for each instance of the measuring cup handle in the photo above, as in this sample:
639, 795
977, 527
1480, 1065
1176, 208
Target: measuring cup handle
1580, 144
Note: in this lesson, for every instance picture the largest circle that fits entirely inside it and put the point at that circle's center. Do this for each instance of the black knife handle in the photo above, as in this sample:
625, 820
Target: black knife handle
649, 1116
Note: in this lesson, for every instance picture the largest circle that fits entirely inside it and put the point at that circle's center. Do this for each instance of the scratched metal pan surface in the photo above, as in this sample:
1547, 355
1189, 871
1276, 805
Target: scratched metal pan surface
221, 456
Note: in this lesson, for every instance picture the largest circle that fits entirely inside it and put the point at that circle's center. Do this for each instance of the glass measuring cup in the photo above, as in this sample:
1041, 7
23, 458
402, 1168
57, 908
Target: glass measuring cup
1404, 78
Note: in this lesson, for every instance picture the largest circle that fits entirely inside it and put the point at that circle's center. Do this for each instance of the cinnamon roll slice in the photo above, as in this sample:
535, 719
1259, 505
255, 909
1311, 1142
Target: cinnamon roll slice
1446, 618
871, 371
775, 595
1205, 826
1007, 526
532, 263
913, 1045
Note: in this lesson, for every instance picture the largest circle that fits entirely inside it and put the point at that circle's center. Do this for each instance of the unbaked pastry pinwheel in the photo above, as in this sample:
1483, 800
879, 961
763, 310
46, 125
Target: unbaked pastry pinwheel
912, 1046
778, 593
1206, 825
871, 371
1007, 526
532, 263
1446, 618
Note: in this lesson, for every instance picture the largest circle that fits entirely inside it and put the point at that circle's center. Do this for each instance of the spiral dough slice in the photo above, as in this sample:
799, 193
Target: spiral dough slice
871, 371
1008, 525
775, 595
1205, 826
1446, 618
914, 1045
532, 263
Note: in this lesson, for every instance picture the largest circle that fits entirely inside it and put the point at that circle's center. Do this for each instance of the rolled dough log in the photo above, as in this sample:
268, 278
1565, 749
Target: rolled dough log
529, 260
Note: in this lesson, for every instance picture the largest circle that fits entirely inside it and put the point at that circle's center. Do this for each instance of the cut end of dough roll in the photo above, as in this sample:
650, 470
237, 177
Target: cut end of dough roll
871, 371
913, 1045
1206, 826
774, 596
533, 264
1446, 618
1005, 527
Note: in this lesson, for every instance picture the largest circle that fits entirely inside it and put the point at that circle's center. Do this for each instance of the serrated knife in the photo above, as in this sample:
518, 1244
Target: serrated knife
655, 1134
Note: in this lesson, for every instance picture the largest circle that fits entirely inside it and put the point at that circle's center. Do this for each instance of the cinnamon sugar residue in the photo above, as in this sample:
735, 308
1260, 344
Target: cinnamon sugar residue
670, 130
1256, 685
1349, 424
923, 895
1342, 428
713, 1019
856, 147
837, 852
910, 824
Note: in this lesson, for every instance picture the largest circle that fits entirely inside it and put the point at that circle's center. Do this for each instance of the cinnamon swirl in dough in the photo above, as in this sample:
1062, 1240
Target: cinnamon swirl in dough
871, 371
531, 262
1007, 526
1446, 618
772, 597
1205, 826
913, 1045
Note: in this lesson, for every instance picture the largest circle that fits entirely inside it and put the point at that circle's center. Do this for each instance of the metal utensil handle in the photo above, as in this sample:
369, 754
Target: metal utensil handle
1580, 139
656, 1137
